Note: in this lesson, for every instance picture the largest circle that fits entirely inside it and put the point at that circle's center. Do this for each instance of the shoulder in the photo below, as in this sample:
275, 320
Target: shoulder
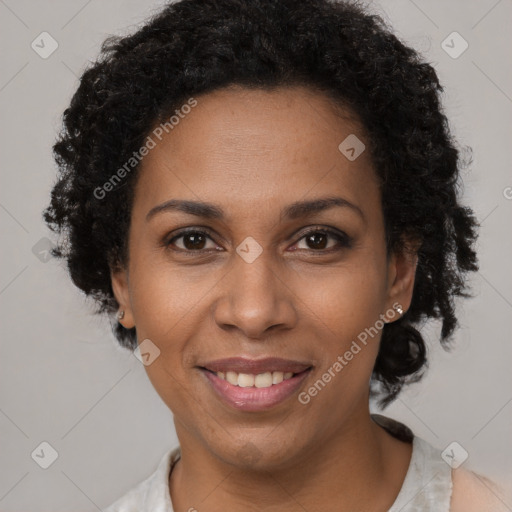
152, 494
431, 484
472, 492
133, 500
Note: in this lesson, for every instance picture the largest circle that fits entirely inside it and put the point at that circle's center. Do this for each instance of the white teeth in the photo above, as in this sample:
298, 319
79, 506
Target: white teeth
247, 380
231, 377
263, 380
277, 377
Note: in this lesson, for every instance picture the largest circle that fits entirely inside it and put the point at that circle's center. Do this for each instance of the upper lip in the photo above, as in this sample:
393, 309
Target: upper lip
255, 366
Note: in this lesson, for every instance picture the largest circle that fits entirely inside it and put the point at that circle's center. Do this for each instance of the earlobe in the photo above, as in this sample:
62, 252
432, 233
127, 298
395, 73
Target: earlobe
120, 287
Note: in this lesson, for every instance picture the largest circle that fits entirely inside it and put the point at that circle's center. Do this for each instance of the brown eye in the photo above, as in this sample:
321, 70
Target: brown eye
190, 241
318, 240
194, 241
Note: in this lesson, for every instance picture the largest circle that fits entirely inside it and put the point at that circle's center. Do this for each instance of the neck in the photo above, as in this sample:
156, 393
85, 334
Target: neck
358, 467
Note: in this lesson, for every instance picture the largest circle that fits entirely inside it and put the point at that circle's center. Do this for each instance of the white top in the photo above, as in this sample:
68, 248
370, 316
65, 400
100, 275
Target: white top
427, 486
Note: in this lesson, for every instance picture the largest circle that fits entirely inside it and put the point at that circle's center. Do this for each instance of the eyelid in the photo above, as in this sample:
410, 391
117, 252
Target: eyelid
167, 241
344, 240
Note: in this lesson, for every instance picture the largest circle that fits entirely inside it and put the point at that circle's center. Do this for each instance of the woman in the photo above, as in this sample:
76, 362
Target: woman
265, 194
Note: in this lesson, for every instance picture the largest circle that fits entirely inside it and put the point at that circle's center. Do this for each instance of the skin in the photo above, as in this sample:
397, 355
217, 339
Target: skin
254, 152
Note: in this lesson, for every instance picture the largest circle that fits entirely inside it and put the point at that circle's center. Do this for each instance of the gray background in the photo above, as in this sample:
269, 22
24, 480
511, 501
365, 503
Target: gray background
63, 378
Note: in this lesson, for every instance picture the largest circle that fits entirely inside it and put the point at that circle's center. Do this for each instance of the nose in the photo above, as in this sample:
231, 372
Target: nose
254, 299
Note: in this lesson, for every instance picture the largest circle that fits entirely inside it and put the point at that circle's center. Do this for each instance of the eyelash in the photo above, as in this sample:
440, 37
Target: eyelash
344, 241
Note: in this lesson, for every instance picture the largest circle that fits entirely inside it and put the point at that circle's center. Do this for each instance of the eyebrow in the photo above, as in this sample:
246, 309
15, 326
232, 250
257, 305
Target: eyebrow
293, 211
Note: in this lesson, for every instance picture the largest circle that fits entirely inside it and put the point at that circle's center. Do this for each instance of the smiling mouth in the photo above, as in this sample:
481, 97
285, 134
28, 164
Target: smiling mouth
253, 385
260, 380
255, 392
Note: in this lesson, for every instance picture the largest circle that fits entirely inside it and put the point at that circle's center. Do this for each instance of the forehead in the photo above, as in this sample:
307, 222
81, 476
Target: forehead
244, 148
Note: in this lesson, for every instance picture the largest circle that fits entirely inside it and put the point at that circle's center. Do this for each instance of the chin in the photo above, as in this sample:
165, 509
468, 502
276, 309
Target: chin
259, 453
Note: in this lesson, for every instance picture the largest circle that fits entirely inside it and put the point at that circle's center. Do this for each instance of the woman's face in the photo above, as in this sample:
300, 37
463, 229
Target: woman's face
253, 284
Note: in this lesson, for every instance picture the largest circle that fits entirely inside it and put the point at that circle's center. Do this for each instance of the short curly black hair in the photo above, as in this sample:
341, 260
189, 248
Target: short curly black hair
193, 47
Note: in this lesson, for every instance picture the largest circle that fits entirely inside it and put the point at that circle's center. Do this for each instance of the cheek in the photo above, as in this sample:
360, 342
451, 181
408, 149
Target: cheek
346, 299
350, 332
178, 391
166, 298
346, 306
169, 305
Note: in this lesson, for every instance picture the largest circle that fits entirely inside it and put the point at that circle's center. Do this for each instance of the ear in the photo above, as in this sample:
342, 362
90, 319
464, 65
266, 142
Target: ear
121, 289
401, 275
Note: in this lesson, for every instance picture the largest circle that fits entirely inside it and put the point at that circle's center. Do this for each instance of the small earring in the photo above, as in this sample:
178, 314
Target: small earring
120, 315
399, 310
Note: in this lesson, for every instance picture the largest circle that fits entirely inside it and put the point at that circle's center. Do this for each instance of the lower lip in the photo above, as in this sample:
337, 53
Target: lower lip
255, 399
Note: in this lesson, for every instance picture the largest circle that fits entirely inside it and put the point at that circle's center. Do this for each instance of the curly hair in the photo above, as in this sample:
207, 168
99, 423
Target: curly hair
192, 47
